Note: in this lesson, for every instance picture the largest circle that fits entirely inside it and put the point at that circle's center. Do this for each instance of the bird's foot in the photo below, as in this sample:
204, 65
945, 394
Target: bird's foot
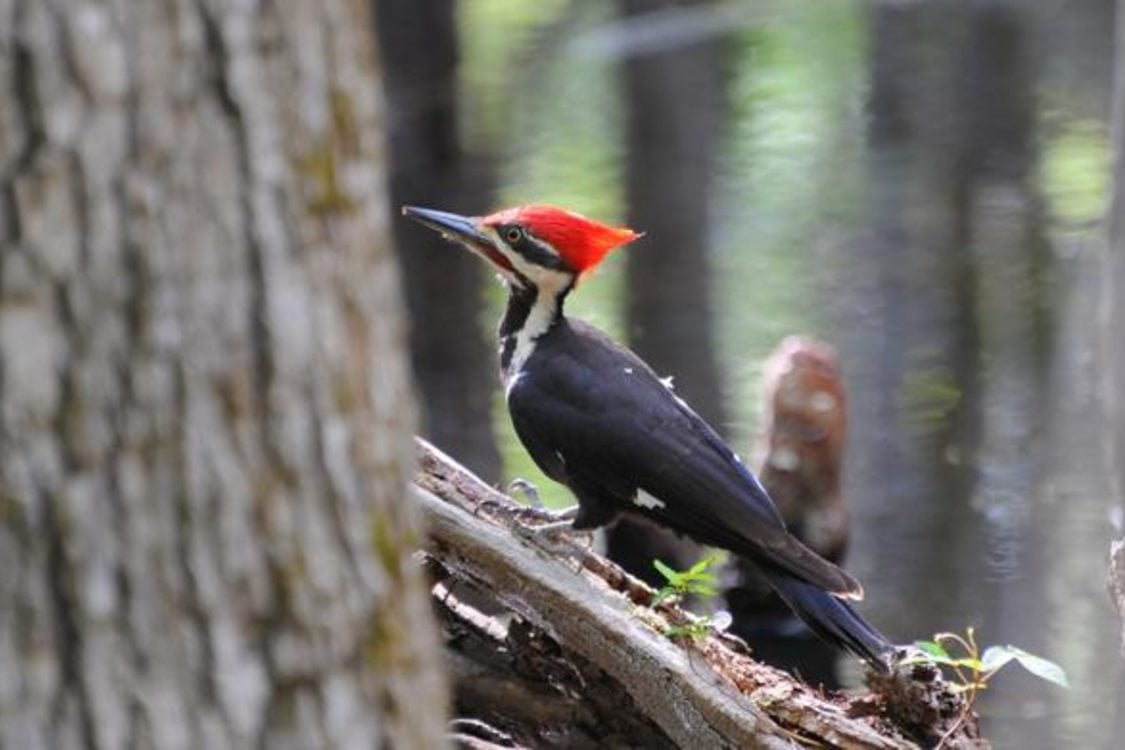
514, 511
548, 526
529, 491
499, 507
554, 532
553, 520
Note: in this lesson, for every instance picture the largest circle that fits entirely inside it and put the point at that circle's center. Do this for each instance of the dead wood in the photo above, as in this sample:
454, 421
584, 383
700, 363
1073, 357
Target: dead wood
555, 646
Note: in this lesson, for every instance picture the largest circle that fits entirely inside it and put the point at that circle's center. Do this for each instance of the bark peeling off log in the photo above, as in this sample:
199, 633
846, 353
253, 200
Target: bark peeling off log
564, 605
706, 694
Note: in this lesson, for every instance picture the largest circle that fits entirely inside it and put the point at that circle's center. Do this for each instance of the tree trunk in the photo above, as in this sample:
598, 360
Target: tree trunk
429, 166
1115, 302
1115, 392
675, 106
204, 405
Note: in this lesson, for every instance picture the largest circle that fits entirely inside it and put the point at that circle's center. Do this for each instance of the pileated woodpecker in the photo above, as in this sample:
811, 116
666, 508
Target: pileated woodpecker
598, 419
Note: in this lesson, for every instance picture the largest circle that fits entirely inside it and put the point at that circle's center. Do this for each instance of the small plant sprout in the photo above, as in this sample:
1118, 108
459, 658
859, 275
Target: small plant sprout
973, 670
698, 580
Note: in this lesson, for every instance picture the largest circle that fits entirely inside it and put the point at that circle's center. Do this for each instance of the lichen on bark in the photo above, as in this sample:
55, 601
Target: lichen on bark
188, 504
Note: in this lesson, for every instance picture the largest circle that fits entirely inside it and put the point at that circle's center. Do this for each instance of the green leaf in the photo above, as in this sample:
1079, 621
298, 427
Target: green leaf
996, 656
1042, 668
670, 575
965, 661
934, 649
703, 565
690, 577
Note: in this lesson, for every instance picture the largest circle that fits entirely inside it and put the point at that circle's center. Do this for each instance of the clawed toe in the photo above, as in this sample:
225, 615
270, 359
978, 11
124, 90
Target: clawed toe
529, 491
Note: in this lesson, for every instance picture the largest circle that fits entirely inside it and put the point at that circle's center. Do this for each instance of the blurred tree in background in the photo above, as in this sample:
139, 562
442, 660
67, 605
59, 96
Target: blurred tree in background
921, 185
205, 416
674, 101
955, 257
1115, 286
430, 166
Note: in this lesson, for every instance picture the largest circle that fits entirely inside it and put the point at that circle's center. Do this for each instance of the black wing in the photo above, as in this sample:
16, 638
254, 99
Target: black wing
595, 417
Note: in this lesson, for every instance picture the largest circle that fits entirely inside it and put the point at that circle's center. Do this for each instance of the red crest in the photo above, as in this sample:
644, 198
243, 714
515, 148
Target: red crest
581, 242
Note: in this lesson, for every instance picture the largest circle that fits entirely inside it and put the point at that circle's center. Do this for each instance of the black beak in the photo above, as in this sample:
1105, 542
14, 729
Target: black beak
451, 226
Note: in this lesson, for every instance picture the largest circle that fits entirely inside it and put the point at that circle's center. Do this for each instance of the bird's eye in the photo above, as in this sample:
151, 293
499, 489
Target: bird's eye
513, 234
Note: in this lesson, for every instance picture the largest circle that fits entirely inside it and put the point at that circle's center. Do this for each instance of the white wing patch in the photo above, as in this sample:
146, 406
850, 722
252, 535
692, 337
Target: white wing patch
644, 500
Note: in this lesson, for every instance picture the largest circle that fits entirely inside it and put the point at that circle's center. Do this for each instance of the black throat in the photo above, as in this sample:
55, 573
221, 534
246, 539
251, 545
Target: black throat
522, 299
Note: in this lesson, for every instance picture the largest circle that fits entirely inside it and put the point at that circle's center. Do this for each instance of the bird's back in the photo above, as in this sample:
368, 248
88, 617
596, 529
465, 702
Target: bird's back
596, 417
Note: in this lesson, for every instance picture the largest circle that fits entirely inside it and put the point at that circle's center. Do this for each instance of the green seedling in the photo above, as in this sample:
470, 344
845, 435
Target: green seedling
972, 670
698, 580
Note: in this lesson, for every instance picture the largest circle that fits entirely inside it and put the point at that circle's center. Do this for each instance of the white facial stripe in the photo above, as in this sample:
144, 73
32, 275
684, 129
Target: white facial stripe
537, 323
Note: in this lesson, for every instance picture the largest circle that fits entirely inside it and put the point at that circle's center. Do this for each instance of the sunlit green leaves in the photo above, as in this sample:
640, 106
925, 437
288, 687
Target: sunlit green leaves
1076, 171
972, 669
996, 657
1040, 667
934, 649
698, 580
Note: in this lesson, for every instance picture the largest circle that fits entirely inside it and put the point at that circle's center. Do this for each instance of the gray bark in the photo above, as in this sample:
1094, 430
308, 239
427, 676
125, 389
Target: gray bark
558, 647
204, 405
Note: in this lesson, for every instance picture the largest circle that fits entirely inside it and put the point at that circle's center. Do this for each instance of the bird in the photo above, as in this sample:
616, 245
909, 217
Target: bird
597, 419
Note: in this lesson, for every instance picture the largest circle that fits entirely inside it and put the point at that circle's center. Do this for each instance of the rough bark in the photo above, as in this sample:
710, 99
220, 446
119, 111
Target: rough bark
203, 396
429, 166
582, 639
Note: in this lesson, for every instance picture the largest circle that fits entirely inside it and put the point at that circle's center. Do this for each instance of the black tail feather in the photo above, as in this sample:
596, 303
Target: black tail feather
832, 619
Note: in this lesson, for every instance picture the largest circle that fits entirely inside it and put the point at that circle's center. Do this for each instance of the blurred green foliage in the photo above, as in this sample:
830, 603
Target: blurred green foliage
1076, 171
552, 116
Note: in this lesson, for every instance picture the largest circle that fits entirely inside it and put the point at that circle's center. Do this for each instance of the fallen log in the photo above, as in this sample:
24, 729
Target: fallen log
552, 645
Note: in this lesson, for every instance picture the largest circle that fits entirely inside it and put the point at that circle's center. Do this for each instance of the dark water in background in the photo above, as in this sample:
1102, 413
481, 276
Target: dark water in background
920, 184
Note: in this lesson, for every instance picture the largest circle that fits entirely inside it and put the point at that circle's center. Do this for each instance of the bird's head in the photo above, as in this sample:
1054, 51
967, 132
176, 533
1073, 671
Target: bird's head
532, 245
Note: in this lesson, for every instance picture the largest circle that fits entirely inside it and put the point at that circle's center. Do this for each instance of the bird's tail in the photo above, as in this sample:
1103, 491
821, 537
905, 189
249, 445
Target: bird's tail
832, 619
